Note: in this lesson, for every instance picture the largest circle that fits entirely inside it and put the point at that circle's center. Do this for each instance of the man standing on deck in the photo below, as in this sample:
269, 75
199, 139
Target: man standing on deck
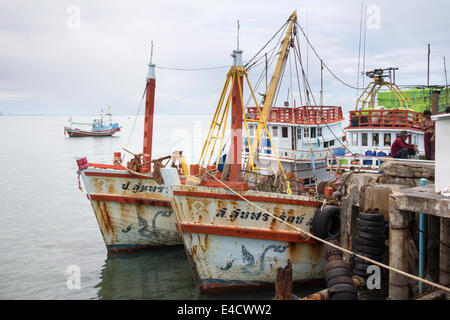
400, 149
428, 126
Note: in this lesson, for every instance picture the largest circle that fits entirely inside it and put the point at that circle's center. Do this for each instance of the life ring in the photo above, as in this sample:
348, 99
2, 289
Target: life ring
326, 222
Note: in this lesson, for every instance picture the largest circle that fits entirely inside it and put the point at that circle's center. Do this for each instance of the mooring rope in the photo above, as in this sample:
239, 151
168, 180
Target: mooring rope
336, 246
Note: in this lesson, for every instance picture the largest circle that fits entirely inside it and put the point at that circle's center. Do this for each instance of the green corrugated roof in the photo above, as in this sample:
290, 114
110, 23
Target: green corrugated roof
420, 97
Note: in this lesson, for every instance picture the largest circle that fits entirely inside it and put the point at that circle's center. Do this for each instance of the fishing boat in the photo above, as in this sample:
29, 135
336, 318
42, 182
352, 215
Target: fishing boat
372, 129
235, 234
130, 201
100, 127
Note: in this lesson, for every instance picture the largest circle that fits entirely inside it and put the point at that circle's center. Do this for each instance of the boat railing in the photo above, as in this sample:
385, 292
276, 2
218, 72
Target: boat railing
406, 119
300, 115
356, 163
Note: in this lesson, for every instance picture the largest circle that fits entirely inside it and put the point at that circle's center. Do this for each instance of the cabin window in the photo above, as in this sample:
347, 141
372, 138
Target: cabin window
387, 139
306, 133
299, 133
375, 139
313, 132
364, 139
319, 131
274, 131
325, 144
331, 143
284, 132
251, 131
355, 139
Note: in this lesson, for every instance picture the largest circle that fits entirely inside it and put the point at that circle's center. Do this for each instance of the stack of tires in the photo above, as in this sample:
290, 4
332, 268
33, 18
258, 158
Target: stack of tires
369, 241
338, 275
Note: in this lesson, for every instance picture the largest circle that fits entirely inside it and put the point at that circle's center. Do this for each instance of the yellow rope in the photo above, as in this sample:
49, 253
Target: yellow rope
338, 247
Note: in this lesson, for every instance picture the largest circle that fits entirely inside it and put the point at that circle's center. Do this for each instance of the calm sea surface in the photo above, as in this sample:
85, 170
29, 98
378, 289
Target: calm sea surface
48, 224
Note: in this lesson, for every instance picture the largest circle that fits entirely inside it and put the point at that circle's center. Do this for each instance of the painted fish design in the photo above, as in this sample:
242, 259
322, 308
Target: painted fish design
251, 261
143, 226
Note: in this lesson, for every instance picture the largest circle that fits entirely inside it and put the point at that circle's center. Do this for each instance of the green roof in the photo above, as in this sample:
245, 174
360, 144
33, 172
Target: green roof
421, 98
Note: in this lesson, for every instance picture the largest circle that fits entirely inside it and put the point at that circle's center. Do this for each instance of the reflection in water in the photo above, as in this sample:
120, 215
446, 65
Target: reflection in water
163, 274
157, 274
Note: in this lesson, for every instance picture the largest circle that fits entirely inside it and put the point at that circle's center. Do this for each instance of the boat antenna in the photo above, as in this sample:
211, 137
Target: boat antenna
359, 50
364, 48
151, 53
238, 26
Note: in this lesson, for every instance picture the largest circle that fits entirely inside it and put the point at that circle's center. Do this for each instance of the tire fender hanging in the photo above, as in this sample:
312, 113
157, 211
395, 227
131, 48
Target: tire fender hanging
326, 222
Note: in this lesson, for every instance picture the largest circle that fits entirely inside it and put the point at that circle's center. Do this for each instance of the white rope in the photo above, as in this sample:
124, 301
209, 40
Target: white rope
336, 246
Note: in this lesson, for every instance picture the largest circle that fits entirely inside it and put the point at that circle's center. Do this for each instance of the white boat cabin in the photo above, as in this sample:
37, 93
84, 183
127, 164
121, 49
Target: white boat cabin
303, 137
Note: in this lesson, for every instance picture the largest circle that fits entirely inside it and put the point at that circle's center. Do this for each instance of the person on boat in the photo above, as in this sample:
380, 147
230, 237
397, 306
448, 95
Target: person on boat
428, 126
400, 149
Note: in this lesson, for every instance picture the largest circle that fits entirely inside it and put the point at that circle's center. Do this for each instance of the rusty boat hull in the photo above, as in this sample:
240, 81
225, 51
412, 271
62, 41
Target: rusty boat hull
232, 245
132, 212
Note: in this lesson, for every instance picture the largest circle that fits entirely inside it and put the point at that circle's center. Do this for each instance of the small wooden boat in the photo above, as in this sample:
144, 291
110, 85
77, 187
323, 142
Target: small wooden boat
98, 128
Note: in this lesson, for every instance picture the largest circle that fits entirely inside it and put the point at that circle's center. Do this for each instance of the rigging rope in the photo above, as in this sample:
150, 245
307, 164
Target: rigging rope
135, 118
284, 25
326, 67
194, 69
332, 244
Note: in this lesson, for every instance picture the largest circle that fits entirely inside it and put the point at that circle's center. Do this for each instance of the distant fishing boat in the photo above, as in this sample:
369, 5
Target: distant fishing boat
97, 128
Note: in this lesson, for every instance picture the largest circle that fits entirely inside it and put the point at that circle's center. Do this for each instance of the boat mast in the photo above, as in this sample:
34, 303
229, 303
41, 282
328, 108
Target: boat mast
149, 111
236, 116
274, 83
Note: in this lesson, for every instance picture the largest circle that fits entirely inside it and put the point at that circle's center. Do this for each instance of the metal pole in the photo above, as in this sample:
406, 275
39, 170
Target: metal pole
321, 83
428, 67
422, 182
446, 84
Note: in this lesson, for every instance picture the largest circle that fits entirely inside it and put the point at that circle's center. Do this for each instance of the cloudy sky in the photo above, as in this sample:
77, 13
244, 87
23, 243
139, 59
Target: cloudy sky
77, 57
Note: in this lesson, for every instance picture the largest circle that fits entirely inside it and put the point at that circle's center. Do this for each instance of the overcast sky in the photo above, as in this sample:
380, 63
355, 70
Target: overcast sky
51, 62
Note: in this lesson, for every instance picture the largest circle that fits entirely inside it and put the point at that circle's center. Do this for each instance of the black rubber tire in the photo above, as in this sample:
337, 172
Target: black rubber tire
369, 243
371, 216
333, 253
371, 236
370, 250
336, 264
372, 224
344, 296
327, 222
337, 272
330, 251
337, 280
361, 267
371, 256
362, 262
371, 230
360, 273
342, 287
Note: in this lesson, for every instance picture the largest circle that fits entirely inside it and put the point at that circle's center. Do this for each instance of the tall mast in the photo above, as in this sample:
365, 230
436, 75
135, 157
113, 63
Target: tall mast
274, 83
149, 111
236, 117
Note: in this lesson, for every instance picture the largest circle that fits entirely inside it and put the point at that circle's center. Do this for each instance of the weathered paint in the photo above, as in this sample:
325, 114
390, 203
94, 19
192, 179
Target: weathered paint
232, 244
132, 212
